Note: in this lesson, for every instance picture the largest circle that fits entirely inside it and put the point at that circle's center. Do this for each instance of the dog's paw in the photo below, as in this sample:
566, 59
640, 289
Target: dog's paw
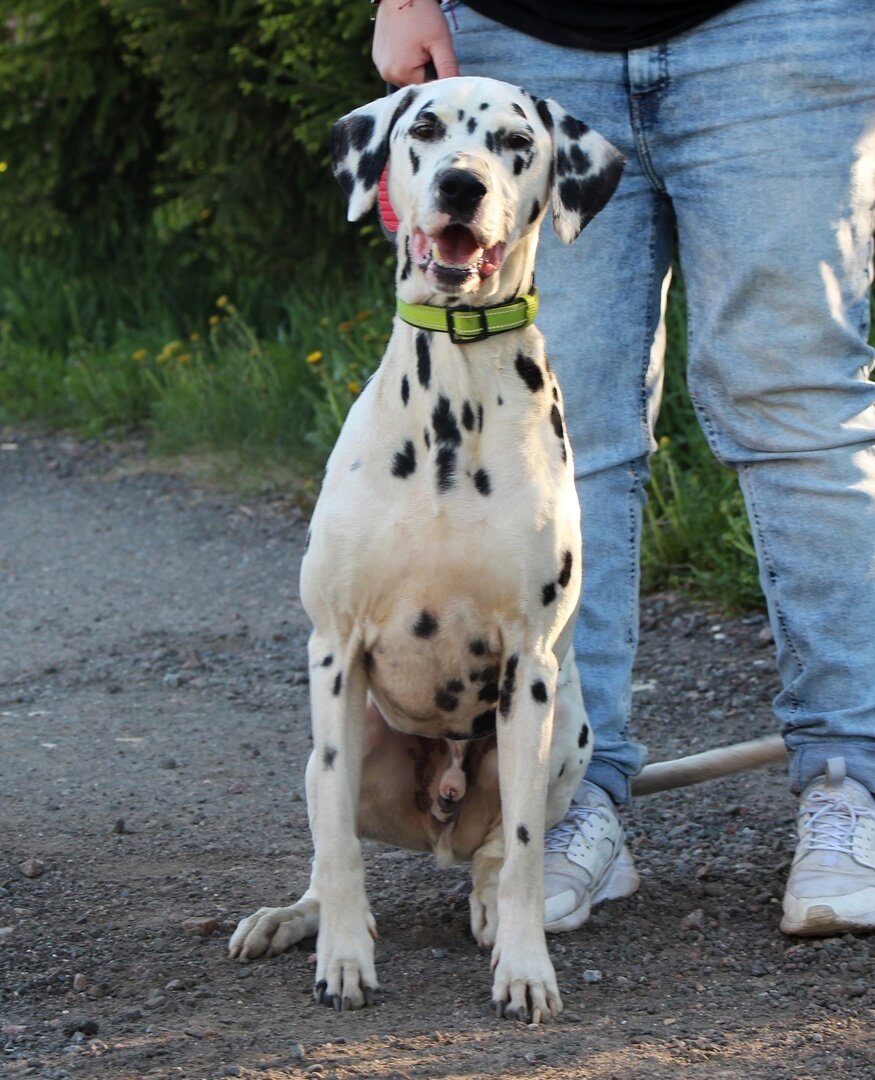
345, 974
524, 987
484, 917
270, 931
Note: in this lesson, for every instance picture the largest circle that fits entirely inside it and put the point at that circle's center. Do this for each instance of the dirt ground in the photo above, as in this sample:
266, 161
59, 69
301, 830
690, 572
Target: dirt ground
153, 735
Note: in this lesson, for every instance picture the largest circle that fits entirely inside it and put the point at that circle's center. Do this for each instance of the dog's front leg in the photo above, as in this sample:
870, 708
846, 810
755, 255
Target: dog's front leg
345, 973
524, 986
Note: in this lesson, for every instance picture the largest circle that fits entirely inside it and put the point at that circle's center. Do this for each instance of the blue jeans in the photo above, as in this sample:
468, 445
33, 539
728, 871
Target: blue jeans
753, 136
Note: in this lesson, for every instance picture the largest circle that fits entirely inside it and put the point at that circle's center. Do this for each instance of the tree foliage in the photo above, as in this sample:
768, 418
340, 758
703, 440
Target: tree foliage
198, 122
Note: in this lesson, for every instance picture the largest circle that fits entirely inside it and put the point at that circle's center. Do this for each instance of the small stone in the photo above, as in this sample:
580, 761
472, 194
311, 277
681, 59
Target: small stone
204, 926
176, 984
119, 827
32, 868
694, 921
168, 763
86, 1027
592, 975
80, 983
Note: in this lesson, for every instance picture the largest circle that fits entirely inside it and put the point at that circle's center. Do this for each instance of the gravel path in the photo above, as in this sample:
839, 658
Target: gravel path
153, 735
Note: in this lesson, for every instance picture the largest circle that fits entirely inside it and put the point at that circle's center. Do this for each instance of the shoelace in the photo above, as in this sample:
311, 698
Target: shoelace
560, 836
831, 826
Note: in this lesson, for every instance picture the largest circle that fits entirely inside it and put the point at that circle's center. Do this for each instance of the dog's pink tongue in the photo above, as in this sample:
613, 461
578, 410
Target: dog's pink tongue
457, 246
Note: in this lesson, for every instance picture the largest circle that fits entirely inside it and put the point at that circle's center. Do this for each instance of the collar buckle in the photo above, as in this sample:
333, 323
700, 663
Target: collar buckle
465, 337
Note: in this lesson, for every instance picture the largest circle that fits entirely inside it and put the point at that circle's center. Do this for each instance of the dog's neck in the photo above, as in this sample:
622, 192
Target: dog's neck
513, 278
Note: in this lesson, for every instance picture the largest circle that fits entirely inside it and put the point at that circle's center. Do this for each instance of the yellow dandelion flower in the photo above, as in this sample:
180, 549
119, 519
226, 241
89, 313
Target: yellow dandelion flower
4, 165
222, 301
664, 441
172, 348
362, 315
354, 387
345, 327
314, 357
204, 214
195, 337
183, 358
139, 356
214, 320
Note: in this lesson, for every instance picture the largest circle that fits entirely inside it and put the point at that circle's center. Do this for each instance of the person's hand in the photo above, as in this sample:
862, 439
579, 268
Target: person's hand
407, 35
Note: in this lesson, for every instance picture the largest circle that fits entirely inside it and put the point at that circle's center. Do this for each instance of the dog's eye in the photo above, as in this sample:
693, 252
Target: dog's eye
428, 128
518, 140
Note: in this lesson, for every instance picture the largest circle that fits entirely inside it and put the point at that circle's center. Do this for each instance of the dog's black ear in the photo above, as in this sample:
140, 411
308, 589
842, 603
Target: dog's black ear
586, 170
359, 148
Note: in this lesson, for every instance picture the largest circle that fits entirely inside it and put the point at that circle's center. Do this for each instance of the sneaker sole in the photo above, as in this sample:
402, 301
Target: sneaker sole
822, 921
620, 881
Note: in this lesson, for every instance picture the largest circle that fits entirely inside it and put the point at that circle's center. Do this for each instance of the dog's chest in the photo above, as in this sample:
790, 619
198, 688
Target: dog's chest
448, 513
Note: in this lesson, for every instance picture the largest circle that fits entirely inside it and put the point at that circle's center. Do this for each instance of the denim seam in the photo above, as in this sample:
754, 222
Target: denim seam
769, 570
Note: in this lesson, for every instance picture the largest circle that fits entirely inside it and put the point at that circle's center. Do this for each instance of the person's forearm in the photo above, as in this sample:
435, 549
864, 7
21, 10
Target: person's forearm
408, 34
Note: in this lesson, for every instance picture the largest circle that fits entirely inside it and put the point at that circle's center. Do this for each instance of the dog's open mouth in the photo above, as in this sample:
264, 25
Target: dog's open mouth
455, 254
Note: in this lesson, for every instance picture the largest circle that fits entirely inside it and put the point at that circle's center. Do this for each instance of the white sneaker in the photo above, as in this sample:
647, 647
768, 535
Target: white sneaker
831, 888
585, 861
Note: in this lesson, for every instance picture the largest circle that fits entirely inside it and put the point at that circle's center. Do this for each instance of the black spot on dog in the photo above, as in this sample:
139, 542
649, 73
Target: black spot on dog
426, 625
582, 162
472, 125
359, 130
478, 647
405, 389
483, 724
404, 461
482, 482
328, 661
563, 163
461, 115
556, 393
561, 770
368, 660
427, 437
556, 421
484, 105
328, 756
402, 107
338, 684
505, 697
583, 737
539, 691
492, 144
455, 686
467, 416
346, 181
407, 268
371, 165
519, 110
489, 691
423, 359
445, 701
522, 834
548, 594
544, 113
500, 400
443, 420
521, 162
565, 573
533, 213
414, 160
530, 373
446, 468
479, 415
574, 129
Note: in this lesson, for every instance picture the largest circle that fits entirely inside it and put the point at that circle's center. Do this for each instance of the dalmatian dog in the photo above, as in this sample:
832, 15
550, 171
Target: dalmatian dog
443, 570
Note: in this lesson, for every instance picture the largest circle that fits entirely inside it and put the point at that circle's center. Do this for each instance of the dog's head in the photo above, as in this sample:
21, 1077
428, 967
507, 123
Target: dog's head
473, 166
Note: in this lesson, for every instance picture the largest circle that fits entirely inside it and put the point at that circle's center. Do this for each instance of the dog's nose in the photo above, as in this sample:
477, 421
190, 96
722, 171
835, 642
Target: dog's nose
460, 191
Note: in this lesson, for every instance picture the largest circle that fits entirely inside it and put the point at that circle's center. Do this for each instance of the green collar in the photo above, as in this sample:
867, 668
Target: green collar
472, 324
